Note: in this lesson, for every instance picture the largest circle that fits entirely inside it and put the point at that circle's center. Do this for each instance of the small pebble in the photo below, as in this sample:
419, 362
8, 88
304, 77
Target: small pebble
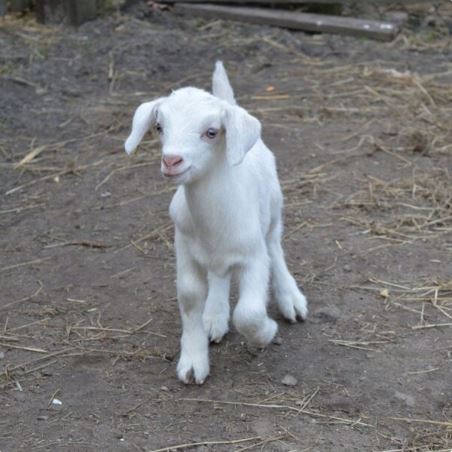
347, 268
42, 418
2, 355
164, 388
278, 340
19, 395
289, 380
327, 314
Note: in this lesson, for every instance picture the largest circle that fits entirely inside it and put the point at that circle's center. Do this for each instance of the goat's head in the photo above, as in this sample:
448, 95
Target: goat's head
197, 129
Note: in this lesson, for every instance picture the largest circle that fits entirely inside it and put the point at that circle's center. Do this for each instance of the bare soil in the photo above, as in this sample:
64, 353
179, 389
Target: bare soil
88, 316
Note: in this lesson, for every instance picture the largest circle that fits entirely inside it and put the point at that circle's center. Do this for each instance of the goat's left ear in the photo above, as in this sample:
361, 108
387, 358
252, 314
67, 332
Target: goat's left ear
143, 118
242, 132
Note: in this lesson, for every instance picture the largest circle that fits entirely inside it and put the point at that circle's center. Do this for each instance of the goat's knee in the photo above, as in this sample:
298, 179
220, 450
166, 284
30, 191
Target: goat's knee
250, 315
254, 323
216, 310
191, 292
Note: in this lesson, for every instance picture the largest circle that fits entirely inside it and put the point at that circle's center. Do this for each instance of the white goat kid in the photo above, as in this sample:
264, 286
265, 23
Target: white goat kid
227, 215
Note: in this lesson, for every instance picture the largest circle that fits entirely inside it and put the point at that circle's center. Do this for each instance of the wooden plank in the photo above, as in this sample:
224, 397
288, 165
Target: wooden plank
351, 3
362, 5
383, 31
262, 2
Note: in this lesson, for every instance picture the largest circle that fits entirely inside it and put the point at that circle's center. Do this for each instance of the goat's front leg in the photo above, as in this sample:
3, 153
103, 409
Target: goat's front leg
216, 311
250, 315
193, 366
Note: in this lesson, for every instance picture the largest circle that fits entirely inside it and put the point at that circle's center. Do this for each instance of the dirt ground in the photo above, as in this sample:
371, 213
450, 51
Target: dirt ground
88, 316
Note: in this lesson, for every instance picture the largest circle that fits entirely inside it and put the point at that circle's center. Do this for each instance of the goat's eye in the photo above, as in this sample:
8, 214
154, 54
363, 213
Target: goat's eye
211, 133
159, 128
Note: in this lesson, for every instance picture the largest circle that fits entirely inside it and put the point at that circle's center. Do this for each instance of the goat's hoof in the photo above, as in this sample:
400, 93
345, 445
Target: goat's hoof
294, 307
301, 318
216, 328
193, 370
301, 307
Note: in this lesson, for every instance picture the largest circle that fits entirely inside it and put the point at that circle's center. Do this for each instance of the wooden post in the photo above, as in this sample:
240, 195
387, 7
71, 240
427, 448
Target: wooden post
69, 12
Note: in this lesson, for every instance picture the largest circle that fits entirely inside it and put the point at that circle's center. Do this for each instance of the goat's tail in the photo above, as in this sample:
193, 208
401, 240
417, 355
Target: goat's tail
220, 84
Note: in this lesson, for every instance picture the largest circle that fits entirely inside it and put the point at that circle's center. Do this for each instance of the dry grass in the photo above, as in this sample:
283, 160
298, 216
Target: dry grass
406, 209
76, 341
427, 299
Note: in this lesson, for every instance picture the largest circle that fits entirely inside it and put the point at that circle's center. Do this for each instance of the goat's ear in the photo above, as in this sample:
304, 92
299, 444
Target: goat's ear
221, 87
143, 118
242, 133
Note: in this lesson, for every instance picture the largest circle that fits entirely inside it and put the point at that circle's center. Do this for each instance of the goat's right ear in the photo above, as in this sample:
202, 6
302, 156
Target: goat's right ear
143, 118
242, 133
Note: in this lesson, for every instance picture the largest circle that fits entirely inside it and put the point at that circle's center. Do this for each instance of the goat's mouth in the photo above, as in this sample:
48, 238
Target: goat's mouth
173, 175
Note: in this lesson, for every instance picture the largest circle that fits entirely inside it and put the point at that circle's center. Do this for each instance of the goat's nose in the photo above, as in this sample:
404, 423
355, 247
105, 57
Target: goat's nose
172, 160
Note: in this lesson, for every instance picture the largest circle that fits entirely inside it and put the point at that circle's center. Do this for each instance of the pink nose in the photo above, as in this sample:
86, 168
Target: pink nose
170, 161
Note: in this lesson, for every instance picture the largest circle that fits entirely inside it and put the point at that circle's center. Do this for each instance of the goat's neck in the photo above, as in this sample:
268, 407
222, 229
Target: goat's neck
211, 198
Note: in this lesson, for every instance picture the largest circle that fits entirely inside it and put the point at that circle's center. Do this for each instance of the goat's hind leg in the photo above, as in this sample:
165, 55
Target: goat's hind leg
193, 366
291, 302
216, 310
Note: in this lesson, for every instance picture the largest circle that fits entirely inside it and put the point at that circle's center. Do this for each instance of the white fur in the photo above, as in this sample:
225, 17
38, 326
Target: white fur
227, 215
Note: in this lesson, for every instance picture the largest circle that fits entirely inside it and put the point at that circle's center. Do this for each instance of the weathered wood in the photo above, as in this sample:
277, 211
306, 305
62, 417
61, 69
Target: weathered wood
261, 2
354, 3
351, 3
68, 12
384, 31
